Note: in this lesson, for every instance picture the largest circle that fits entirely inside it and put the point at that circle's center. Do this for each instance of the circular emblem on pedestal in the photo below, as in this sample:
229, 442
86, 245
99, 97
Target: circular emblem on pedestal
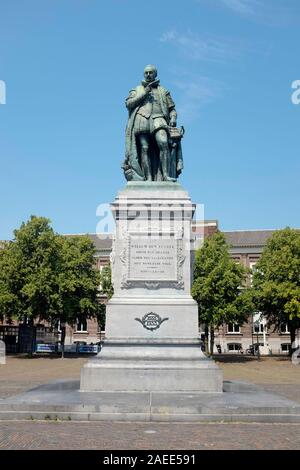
151, 321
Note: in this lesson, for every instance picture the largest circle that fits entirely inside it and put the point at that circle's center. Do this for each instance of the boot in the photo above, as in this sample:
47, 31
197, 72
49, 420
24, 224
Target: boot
164, 159
146, 165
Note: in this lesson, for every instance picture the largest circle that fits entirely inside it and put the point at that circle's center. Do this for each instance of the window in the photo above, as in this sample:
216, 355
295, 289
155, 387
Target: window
284, 329
233, 328
101, 269
57, 326
258, 328
285, 347
252, 267
234, 347
259, 323
81, 326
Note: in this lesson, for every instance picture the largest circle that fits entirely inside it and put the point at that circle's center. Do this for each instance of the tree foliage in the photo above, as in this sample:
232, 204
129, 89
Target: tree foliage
78, 280
276, 281
217, 286
46, 276
106, 287
106, 290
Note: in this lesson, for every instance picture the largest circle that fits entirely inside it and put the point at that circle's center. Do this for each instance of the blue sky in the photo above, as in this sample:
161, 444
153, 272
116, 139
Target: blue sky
68, 66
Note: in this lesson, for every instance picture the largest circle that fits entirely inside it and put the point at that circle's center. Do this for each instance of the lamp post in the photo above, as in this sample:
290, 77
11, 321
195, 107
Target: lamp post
62, 338
252, 334
257, 323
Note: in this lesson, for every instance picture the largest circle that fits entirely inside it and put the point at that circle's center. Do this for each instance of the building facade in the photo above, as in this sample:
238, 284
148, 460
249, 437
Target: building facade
246, 247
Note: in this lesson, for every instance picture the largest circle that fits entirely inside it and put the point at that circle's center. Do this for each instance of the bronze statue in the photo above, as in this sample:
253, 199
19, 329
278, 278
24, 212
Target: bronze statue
153, 147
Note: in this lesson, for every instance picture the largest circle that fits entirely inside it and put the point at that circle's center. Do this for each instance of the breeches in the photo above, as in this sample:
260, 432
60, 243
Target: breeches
143, 125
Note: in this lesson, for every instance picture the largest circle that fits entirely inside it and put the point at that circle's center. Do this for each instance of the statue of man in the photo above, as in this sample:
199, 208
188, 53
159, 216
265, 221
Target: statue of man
150, 152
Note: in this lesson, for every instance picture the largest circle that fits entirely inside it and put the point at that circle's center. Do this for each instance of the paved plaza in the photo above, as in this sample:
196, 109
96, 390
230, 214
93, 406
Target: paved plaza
273, 374
132, 436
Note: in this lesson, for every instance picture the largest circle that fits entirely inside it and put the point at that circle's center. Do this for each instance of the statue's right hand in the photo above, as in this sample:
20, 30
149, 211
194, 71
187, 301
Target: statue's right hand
148, 89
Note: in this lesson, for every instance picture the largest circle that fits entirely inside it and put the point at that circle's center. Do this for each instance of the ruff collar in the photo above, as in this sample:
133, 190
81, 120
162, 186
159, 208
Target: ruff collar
155, 83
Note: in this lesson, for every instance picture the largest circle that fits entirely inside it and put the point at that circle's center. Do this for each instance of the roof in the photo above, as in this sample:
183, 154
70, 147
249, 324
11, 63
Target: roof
243, 238
102, 242
248, 237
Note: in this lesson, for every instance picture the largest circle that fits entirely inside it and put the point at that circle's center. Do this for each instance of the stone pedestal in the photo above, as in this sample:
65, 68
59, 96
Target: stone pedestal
152, 341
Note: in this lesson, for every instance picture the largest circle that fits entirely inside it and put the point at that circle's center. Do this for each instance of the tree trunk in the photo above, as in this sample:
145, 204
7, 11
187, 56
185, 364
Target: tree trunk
212, 339
32, 331
293, 338
206, 339
62, 340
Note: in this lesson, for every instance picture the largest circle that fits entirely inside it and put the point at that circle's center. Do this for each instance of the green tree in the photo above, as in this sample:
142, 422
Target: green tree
7, 298
218, 287
106, 291
28, 271
46, 276
77, 282
276, 281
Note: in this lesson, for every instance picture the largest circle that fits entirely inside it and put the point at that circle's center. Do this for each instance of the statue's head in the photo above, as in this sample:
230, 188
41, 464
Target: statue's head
150, 73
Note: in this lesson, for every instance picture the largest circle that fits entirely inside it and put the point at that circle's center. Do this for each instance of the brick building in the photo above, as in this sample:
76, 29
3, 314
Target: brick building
245, 247
88, 331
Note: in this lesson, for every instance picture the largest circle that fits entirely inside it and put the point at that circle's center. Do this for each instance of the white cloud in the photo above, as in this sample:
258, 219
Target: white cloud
192, 46
245, 7
195, 90
270, 12
193, 93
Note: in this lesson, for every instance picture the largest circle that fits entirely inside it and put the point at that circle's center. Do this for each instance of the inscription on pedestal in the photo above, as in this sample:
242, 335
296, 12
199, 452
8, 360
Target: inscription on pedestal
153, 260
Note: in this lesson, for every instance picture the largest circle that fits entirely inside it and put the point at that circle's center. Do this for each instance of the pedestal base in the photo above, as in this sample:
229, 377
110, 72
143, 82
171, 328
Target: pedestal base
172, 318
151, 327
151, 365
240, 402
